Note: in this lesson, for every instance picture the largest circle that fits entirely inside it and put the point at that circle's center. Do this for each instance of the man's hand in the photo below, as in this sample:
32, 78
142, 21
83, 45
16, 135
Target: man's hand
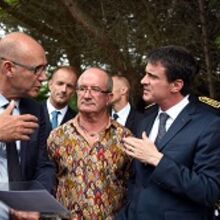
16, 127
143, 149
21, 215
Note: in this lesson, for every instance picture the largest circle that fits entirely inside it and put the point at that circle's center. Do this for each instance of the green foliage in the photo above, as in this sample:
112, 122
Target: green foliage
118, 34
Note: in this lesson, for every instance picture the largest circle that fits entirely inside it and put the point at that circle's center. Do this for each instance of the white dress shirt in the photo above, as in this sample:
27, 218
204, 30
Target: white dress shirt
122, 114
51, 108
3, 157
173, 112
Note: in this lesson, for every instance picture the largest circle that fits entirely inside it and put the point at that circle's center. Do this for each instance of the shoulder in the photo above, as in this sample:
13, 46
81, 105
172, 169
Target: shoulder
151, 108
71, 111
209, 101
28, 105
207, 104
119, 129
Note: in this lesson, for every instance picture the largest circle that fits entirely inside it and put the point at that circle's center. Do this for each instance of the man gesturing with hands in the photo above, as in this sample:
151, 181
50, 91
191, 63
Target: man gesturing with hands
16, 127
177, 169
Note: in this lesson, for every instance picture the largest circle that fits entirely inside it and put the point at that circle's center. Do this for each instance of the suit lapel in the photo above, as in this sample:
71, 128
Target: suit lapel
130, 119
69, 115
47, 117
23, 110
180, 122
147, 123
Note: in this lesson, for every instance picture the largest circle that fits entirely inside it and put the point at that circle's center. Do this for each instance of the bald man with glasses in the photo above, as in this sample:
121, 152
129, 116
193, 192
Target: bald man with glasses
22, 71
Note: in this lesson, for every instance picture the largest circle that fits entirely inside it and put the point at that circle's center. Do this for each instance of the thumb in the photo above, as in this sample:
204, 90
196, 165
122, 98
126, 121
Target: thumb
10, 108
144, 135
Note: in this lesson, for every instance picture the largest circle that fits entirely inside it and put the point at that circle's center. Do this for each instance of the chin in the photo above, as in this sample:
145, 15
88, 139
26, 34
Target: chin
32, 94
147, 98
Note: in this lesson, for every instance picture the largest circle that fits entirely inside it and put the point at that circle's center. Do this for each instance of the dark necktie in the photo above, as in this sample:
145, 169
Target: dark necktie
162, 127
115, 116
14, 167
54, 119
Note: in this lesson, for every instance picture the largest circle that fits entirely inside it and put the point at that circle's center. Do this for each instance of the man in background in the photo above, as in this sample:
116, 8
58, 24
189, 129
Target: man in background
62, 87
122, 111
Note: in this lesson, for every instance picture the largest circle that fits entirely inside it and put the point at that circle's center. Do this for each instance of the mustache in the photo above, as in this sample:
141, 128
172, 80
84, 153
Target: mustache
87, 101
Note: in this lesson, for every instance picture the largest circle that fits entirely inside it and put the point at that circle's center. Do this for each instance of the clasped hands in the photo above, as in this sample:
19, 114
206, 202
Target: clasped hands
142, 149
16, 127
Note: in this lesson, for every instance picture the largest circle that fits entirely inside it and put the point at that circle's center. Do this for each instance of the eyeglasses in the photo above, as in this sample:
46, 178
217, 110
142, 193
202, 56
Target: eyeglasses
94, 90
35, 69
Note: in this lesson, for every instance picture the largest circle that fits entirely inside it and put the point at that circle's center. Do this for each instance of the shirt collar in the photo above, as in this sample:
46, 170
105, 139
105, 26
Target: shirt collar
51, 108
174, 111
123, 111
4, 101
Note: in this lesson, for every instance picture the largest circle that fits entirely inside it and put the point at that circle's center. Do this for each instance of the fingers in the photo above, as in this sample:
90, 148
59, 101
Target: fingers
9, 109
129, 150
144, 135
22, 215
28, 118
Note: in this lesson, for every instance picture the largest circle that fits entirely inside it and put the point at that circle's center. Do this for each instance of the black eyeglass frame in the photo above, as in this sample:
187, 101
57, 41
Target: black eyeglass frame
93, 89
35, 69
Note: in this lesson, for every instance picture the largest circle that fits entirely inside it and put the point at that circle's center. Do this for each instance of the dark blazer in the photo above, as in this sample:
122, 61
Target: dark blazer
35, 164
186, 183
133, 120
69, 115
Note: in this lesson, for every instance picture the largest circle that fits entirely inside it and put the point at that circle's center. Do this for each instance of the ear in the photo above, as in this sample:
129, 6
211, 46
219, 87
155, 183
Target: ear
109, 99
7, 69
50, 84
177, 85
124, 90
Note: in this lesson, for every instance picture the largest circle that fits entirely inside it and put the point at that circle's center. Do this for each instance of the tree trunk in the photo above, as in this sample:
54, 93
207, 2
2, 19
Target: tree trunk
202, 16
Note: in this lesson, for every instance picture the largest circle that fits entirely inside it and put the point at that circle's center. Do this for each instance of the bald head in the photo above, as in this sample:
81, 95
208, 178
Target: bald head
22, 65
122, 81
18, 46
121, 92
99, 73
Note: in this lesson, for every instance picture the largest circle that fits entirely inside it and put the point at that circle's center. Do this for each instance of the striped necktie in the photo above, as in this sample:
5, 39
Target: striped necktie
162, 127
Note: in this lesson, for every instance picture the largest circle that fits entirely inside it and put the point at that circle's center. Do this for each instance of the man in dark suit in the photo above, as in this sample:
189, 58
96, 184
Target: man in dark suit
62, 87
177, 169
122, 111
22, 71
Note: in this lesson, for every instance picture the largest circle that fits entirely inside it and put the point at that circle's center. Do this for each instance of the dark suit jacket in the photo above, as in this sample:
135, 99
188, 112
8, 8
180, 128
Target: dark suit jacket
133, 120
69, 115
186, 183
35, 163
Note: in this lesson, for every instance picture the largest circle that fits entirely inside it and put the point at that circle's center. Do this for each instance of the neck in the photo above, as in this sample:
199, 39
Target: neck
119, 105
93, 124
170, 102
9, 96
57, 105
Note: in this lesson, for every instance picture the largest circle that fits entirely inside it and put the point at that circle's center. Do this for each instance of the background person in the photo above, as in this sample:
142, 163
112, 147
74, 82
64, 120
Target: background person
122, 111
62, 87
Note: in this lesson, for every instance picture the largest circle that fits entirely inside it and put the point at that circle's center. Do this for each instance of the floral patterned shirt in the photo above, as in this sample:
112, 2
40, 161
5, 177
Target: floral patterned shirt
92, 179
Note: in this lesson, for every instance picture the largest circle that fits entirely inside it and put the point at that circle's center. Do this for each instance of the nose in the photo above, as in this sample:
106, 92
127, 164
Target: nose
42, 76
64, 88
145, 79
87, 93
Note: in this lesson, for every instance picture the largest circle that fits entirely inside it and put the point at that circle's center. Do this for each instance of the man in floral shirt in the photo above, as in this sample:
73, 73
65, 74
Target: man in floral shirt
89, 153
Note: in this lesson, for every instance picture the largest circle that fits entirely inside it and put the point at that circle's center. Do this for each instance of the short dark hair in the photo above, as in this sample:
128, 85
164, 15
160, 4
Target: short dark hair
178, 62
